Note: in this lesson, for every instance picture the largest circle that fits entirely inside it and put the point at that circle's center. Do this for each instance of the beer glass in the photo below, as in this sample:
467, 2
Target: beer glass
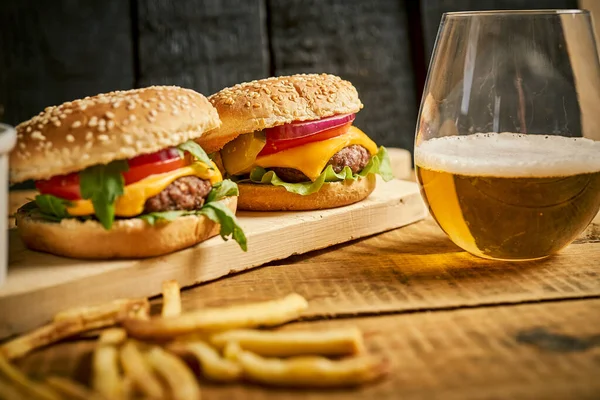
507, 148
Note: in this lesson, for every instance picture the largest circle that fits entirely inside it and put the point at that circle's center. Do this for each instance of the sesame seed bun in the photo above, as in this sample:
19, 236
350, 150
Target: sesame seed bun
265, 103
128, 238
259, 197
107, 127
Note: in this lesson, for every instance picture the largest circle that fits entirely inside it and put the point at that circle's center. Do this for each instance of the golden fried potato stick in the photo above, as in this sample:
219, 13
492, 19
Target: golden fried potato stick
106, 377
70, 323
180, 379
114, 336
214, 366
333, 342
10, 392
35, 390
307, 371
266, 313
71, 389
139, 371
171, 299
110, 310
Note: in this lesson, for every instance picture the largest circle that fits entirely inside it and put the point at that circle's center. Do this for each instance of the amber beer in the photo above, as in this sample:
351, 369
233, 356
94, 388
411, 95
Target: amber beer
510, 196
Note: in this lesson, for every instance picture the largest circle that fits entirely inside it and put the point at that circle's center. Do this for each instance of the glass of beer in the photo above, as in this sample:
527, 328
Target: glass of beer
507, 149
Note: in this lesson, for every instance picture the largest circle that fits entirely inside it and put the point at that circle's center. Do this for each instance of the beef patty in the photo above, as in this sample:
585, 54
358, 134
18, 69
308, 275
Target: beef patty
355, 157
186, 193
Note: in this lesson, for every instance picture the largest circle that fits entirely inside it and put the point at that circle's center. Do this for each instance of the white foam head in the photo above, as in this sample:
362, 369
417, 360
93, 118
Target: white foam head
509, 155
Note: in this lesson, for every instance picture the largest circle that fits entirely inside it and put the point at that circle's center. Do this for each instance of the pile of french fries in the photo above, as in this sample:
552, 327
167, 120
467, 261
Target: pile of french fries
155, 357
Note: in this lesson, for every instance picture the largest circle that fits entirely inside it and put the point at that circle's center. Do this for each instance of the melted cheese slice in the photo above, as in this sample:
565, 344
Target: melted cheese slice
135, 196
311, 158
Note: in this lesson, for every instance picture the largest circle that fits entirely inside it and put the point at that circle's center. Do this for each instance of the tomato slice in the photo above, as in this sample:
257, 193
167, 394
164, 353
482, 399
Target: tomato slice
274, 146
67, 186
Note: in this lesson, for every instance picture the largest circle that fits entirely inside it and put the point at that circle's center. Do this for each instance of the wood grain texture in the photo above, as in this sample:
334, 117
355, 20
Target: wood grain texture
61, 51
411, 269
432, 10
39, 285
534, 351
365, 42
203, 45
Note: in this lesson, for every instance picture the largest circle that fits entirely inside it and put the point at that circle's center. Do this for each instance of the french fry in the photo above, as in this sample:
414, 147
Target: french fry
106, 377
9, 391
307, 371
105, 311
266, 313
70, 323
214, 366
171, 299
71, 389
114, 336
139, 371
35, 390
335, 342
180, 379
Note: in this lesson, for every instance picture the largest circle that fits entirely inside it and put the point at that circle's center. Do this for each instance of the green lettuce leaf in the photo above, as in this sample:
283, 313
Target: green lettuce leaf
378, 164
198, 152
103, 184
222, 189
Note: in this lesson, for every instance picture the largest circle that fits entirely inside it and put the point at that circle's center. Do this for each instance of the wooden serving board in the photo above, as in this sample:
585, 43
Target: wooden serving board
40, 284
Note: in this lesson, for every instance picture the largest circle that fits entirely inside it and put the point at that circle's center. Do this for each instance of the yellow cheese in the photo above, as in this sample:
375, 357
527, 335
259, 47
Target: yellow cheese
311, 158
135, 196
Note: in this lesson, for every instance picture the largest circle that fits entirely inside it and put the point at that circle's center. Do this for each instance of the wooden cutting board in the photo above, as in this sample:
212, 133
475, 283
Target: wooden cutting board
40, 284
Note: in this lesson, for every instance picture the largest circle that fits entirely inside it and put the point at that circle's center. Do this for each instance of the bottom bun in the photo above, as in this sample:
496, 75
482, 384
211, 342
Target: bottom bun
128, 238
265, 197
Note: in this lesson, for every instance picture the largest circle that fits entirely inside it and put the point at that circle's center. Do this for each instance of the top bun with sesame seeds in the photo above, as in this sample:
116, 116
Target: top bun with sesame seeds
265, 103
107, 127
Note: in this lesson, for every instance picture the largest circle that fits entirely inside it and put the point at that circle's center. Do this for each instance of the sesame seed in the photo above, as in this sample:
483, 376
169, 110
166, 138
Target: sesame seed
85, 156
146, 104
70, 138
132, 117
103, 138
37, 135
127, 139
76, 124
89, 136
28, 129
256, 105
153, 113
102, 128
62, 116
88, 145
93, 122
110, 115
131, 106
22, 145
102, 122
110, 124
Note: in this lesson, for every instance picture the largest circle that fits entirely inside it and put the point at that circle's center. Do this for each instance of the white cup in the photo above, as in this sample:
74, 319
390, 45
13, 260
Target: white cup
8, 138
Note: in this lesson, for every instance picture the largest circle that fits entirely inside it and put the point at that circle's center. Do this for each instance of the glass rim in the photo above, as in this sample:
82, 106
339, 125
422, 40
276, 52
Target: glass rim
539, 12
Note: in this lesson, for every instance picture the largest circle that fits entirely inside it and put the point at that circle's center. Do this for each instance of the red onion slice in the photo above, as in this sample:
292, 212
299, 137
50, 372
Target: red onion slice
307, 128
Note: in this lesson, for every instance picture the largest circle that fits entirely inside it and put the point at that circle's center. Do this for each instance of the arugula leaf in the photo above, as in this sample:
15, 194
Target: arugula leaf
378, 164
219, 213
222, 189
215, 211
52, 205
153, 217
103, 184
198, 152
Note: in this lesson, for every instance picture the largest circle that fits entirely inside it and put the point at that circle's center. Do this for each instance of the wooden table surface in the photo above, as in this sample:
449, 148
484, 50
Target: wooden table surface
452, 325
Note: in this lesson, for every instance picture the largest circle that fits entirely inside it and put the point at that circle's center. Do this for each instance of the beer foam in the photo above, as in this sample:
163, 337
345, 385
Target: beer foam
509, 155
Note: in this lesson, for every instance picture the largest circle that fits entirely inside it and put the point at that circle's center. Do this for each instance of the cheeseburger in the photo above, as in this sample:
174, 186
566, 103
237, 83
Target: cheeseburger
120, 176
290, 144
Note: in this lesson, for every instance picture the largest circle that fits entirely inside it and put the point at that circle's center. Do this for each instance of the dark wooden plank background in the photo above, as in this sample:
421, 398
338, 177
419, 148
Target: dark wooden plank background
52, 52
